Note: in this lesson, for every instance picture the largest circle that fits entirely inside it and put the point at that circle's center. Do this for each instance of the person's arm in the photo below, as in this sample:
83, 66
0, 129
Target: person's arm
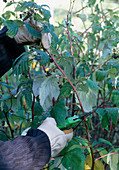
33, 150
25, 152
12, 48
9, 51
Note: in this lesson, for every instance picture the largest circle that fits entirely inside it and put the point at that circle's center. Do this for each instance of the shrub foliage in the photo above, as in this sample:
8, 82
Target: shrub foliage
78, 75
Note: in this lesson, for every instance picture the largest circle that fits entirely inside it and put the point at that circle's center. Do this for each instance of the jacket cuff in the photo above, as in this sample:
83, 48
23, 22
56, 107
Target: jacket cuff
43, 144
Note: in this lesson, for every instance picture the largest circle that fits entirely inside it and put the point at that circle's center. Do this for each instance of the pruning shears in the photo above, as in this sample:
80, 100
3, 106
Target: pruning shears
73, 121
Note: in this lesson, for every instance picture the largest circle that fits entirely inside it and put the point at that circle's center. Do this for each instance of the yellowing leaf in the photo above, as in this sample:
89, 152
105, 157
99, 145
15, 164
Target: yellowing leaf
47, 69
34, 64
87, 167
103, 152
88, 162
98, 165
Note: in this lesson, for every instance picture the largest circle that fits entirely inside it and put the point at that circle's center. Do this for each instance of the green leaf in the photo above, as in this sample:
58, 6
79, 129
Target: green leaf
20, 112
103, 141
46, 14
12, 28
98, 165
92, 84
58, 112
115, 97
20, 65
113, 161
32, 31
80, 71
12, 104
38, 110
28, 97
104, 117
22, 6
6, 85
100, 75
54, 36
113, 113
10, 3
1, 115
88, 98
3, 137
100, 111
65, 90
37, 83
36, 122
57, 163
43, 58
8, 14
105, 120
82, 17
106, 113
74, 159
49, 89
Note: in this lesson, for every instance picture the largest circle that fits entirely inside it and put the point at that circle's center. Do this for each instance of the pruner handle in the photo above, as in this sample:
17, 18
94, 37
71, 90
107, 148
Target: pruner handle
69, 123
73, 121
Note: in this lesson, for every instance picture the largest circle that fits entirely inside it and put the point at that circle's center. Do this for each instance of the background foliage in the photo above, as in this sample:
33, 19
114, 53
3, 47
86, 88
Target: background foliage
80, 74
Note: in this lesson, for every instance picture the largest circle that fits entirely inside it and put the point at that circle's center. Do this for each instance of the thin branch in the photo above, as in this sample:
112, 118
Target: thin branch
107, 155
11, 130
7, 83
110, 130
97, 68
33, 104
70, 40
79, 103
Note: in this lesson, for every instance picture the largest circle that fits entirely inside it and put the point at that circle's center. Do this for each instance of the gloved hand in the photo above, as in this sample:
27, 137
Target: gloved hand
24, 37
58, 139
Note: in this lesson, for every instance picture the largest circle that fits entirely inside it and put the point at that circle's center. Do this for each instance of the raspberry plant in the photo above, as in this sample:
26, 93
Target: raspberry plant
78, 75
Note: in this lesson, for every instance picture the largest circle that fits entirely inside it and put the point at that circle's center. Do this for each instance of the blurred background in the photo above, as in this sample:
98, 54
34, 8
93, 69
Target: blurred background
59, 8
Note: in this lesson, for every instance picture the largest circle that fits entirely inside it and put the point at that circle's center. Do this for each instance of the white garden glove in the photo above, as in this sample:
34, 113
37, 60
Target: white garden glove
58, 139
24, 37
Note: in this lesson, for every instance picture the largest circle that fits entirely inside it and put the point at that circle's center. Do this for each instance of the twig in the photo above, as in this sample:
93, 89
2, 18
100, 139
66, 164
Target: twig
74, 69
70, 40
97, 68
33, 104
107, 155
7, 83
79, 10
11, 130
110, 130
80, 106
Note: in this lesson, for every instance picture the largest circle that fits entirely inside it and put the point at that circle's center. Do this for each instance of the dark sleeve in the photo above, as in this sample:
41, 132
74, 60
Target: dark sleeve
31, 152
9, 51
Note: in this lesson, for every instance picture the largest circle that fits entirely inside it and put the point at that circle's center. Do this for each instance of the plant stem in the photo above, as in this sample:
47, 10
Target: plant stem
80, 106
110, 130
7, 83
74, 69
33, 104
107, 155
11, 130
